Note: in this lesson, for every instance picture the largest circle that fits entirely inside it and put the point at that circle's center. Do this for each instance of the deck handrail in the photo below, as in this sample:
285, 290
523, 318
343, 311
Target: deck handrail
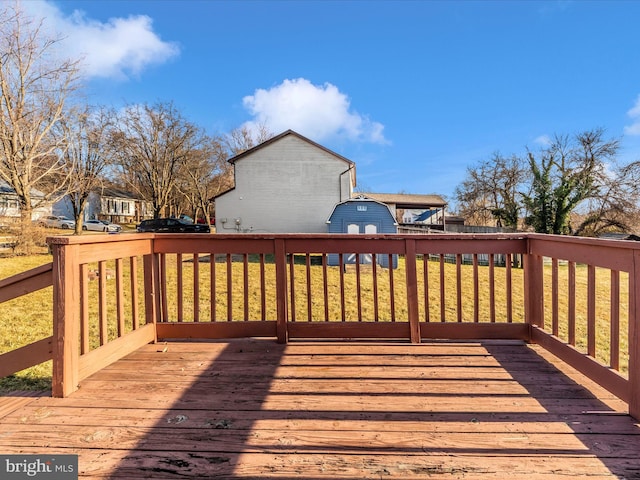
417, 293
17, 286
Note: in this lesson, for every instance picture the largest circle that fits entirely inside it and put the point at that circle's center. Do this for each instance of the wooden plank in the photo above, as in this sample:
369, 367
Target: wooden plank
533, 290
425, 292
311, 410
614, 330
219, 330
591, 311
245, 284
133, 279
66, 320
492, 288
196, 288
469, 331
350, 330
554, 297
115, 350
488, 422
571, 287
611, 255
124, 246
17, 400
634, 338
412, 291
27, 356
84, 309
102, 302
26, 282
323, 441
509, 288
442, 289
281, 291
459, 287
282, 463
604, 376
120, 297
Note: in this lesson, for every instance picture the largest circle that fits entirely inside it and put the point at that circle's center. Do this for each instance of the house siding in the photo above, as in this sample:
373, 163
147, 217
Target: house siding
288, 186
10, 206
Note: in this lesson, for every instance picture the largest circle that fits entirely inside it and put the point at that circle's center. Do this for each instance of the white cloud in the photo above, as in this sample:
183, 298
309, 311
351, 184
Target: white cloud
316, 111
634, 114
117, 48
543, 140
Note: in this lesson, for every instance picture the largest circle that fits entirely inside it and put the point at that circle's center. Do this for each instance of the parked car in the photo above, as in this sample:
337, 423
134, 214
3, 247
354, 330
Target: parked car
101, 226
171, 225
60, 221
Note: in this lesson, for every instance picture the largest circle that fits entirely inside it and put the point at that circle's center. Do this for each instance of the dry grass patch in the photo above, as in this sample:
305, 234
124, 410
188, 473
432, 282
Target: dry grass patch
29, 318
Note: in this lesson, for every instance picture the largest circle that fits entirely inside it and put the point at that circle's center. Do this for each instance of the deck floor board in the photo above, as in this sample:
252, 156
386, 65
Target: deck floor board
251, 408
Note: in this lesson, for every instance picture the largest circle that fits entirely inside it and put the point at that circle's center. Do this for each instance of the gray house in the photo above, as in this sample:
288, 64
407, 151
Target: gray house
287, 184
362, 215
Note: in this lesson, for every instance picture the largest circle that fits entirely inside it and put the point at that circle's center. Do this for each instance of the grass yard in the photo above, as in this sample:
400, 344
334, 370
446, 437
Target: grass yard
29, 318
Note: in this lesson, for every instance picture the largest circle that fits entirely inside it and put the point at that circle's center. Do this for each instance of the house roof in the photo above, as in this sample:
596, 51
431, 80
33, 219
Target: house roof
6, 189
117, 193
407, 200
281, 136
620, 236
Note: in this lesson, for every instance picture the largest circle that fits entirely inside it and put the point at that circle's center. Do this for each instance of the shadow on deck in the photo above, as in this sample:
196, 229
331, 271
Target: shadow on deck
327, 410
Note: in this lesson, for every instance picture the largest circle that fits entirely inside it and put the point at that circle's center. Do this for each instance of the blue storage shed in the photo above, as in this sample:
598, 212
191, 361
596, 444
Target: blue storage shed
362, 215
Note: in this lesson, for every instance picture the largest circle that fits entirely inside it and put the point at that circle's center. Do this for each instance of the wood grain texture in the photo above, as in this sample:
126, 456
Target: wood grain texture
251, 408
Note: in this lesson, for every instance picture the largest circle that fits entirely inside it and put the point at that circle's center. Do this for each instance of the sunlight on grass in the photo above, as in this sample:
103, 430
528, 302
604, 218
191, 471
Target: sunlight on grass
29, 318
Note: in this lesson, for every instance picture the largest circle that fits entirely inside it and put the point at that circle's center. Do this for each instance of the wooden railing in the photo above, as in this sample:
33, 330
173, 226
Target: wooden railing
560, 292
36, 352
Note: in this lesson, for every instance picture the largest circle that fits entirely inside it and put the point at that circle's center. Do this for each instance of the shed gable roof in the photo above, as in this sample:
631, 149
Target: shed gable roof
359, 199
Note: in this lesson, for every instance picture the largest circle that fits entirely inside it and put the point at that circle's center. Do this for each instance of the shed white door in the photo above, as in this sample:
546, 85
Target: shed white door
357, 228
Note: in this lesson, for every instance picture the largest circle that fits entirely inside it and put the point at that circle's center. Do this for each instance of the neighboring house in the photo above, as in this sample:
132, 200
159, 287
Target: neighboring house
620, 236
113, 204
288, 184
10, 206
414, 209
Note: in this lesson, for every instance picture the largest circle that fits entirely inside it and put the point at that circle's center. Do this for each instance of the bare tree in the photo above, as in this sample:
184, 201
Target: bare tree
614, 207
490, 192
207, 175
154, 144
35, 85
242, 139
89, 155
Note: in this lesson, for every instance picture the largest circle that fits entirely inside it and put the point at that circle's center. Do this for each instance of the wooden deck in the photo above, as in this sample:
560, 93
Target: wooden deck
316, 410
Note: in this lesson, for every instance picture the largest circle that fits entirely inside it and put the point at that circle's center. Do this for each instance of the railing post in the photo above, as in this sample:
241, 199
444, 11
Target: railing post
152, 288
533, 290
66, 320
634, 338
412, 289
280, 254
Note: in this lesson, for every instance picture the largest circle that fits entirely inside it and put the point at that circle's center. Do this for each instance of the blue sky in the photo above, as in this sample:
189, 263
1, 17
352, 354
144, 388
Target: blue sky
412, 91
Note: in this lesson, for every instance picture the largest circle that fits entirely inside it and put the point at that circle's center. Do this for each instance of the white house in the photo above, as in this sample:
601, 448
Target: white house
10, 207
109, 203
288, 184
